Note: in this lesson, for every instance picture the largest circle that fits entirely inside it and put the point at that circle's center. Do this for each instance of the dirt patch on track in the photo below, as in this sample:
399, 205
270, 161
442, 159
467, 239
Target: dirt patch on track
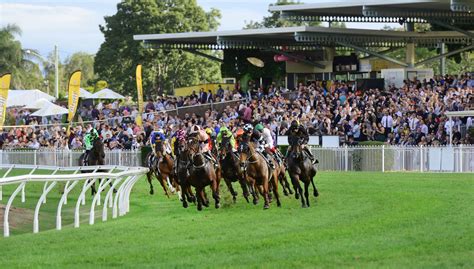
17, 217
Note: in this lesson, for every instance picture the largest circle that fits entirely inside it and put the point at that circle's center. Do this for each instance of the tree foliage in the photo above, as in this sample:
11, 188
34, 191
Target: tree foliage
14, 59
162, 69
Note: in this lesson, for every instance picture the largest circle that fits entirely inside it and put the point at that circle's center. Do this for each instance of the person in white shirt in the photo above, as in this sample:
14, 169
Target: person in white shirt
424, 127
387, 123
469, 123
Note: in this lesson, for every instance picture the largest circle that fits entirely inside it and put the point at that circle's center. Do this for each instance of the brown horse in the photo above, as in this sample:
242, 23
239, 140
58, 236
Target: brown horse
181, 172
230, 164
201, 174
258, 174
300, 167
162, 170
281, 172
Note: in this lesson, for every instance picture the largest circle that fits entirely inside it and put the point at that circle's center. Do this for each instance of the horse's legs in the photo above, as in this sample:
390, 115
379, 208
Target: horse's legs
266, 195
161, 179
215, 192
306, 191
245, 191
231, 189
200, 198
149, 177
315, 190
192, 197
275, 189
295, 181
93, 190
285, 183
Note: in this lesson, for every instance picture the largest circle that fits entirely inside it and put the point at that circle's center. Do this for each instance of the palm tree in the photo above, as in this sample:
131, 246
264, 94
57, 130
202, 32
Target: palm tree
16, 60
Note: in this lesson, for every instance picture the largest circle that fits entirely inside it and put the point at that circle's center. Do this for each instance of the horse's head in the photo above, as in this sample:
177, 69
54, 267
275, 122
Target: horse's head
158, 147
226, 147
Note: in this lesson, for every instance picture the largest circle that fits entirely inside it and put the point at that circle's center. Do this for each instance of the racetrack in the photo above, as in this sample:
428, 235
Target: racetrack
362, 220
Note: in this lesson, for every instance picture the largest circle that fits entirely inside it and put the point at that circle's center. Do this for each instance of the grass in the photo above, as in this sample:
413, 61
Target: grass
361, 220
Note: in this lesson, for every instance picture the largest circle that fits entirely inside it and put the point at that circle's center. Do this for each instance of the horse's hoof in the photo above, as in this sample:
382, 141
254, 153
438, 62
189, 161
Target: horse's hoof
151, 192
285, 193
247, 199
218, 205
297, 196
278, 204
291, 192
206, 204
266, 206
255, 201
316, 194
185, 205
199, 208
303, 206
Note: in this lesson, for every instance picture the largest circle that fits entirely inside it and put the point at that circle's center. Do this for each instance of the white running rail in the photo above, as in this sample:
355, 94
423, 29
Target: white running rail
122, 180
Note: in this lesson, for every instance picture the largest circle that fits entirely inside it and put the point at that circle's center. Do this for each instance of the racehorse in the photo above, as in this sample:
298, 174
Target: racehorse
230, 164
163, 171
300, 167
96, 157
201, 174
182, 173
258, 174
281, 172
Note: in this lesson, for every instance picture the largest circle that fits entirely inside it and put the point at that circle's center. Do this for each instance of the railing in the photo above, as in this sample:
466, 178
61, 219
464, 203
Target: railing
396, 158
121, 179
67, 158
359, 158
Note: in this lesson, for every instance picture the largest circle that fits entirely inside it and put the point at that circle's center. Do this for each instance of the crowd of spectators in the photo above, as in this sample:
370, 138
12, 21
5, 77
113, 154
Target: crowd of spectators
408, 115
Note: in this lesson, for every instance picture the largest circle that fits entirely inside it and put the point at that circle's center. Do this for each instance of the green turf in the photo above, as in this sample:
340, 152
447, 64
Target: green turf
361, 220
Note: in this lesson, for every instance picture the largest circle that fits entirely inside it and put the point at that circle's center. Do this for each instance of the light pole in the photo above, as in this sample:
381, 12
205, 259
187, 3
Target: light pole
56, 67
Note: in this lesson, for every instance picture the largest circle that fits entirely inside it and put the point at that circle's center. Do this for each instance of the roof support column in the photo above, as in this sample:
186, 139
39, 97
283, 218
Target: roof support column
442, 61
410, 50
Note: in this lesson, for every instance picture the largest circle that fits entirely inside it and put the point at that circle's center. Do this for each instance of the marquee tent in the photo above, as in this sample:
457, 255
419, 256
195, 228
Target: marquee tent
107, 94
50, 110
26, 97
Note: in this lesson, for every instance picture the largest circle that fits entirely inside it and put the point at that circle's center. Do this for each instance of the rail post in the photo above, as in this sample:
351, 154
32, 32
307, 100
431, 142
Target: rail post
34, 158
346, 158
460, 158
421, 158
383, 158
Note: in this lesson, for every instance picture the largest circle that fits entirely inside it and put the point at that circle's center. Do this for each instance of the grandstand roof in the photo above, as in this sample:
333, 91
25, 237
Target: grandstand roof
301, 36
381, 11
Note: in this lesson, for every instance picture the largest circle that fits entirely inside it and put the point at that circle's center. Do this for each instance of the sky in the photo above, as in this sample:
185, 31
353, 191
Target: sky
46, 23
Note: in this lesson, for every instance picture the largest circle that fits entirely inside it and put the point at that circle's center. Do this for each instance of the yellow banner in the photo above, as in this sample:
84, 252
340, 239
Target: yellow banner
74, 88
139, 120
4, 87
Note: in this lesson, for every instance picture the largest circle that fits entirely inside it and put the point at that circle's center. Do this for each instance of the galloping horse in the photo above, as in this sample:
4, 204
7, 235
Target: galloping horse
301, 168
181, 172
281, 172
96, 157
163, 170
258, 174
230, 164
202, 174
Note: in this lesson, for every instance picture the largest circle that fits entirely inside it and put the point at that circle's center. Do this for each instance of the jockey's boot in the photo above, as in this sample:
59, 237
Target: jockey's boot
267, 159
211, 158
310, 155
85, 161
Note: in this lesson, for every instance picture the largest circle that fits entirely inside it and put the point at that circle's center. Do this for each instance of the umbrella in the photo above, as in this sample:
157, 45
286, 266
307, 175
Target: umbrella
50, 110
256, 61
107, 94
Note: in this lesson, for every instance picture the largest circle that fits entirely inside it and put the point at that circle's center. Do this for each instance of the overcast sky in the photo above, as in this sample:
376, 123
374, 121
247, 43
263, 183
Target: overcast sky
48, 22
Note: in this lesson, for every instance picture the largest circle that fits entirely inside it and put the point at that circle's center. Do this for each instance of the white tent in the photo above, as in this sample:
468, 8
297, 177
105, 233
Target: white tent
107, 94
50, 110
26, 97
84, 94
38, 104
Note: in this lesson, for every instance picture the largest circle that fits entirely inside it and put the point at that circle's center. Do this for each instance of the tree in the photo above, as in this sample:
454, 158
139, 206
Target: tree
275, 20
14, 59
162, 69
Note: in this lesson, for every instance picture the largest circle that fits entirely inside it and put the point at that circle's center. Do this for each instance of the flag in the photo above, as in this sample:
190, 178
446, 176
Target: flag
74, 88
4, 87
139, 120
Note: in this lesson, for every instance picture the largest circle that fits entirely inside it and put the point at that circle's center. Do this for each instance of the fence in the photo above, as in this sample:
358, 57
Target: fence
396, 158
67, 158
360, 158
121, 179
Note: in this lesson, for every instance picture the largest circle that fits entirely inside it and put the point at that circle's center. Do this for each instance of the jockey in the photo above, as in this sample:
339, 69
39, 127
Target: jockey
89, 138
178, 137
159, 136
238, 136
225, 132
265, 140
297, 134
203, 138
247, 132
